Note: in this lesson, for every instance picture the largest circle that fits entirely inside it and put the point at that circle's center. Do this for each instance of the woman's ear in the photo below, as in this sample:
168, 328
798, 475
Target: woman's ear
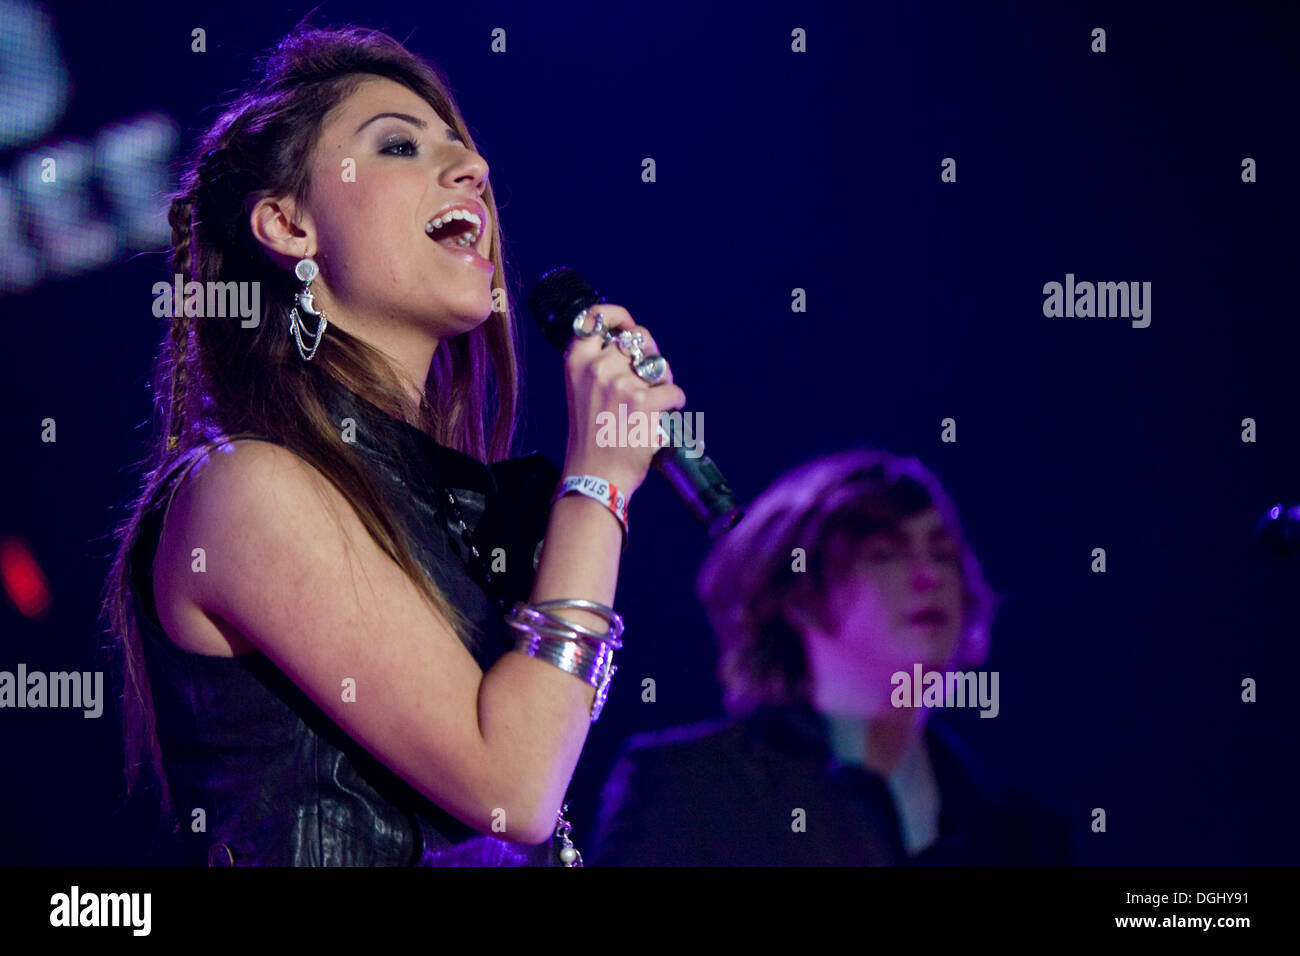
282, 228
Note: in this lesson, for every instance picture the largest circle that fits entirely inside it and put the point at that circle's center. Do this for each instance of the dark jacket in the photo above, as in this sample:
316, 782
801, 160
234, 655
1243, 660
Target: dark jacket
726, 794
279, 782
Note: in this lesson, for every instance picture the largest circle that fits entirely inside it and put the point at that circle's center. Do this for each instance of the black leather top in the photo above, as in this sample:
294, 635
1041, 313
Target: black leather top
278, 781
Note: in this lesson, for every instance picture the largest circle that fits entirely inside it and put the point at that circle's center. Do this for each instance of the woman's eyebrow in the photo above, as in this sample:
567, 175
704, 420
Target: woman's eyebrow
413, 120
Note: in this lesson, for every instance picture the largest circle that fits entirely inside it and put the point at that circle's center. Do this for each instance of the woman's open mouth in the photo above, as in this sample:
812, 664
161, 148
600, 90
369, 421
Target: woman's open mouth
457, 248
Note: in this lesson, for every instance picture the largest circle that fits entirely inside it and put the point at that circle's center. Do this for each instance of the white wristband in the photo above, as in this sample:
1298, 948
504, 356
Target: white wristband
597, 489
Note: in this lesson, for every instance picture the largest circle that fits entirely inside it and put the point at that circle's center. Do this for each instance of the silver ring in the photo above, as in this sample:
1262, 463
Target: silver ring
597, 329
651, 369
631, 342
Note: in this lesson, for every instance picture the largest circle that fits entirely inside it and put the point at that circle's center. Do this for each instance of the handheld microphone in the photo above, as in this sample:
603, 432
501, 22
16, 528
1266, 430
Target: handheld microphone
556, 300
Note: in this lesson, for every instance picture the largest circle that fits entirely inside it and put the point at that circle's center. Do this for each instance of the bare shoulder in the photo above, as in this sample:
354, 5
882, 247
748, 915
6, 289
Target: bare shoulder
245, 474
243, 508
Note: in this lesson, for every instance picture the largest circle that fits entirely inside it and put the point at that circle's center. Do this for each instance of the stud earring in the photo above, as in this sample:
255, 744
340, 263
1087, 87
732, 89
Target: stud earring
306, 270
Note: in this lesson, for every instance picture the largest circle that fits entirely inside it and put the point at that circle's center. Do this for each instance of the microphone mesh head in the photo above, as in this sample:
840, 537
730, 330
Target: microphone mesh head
558, 297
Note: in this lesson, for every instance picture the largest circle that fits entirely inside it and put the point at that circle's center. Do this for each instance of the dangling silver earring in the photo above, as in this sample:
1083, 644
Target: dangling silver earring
306, 270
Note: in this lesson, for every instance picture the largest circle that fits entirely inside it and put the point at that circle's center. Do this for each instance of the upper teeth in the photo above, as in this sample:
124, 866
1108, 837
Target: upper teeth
466, 240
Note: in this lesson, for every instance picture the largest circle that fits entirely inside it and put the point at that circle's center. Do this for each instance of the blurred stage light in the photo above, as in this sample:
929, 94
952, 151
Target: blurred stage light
24, 583
70, 206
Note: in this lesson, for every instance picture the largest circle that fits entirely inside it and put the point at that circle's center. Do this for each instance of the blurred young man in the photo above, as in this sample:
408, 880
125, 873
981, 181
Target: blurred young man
844, 574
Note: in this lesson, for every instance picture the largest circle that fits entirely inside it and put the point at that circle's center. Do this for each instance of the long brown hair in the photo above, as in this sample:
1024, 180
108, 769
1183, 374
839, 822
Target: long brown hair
213, 377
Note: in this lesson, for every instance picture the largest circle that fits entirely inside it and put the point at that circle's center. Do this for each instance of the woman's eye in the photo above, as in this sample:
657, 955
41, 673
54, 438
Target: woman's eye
400, 147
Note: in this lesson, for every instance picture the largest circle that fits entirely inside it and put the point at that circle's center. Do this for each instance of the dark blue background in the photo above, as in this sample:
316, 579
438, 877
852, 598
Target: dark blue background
818, 171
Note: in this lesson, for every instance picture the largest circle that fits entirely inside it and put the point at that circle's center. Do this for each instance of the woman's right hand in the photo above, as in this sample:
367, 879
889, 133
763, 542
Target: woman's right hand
599, 380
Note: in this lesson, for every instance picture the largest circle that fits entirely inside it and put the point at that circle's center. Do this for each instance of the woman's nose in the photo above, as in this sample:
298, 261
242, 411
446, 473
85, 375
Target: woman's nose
470, 168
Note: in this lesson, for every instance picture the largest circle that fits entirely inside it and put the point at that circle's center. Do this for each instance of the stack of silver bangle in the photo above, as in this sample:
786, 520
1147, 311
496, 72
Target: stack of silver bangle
575, 649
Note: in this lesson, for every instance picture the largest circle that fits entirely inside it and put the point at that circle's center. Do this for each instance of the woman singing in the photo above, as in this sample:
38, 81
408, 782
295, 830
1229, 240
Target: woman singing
317, 593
